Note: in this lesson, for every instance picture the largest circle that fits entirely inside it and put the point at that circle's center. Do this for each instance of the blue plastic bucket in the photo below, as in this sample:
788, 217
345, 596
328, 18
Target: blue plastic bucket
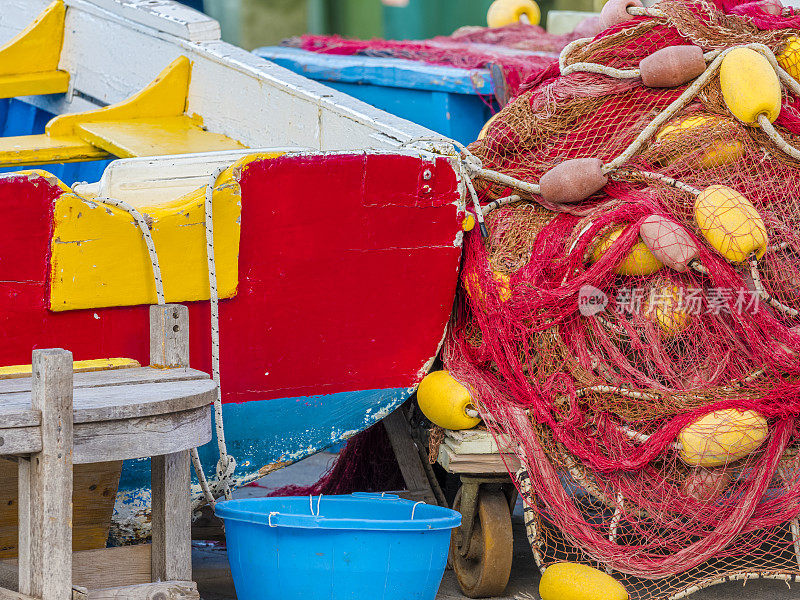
357, 547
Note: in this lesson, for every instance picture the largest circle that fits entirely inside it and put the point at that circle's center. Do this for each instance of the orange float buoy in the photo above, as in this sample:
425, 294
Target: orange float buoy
706, 485
669, 242
672, 66
615, 12
573, 180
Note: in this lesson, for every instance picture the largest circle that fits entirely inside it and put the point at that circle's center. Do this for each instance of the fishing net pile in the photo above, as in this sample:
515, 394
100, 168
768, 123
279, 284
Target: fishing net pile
631, 319
519, 51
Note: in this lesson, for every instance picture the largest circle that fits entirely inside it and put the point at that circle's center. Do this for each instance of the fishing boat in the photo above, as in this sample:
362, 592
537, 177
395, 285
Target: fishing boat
335, 245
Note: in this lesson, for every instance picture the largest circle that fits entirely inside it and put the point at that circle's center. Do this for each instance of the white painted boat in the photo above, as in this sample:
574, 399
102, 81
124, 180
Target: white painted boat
337, 245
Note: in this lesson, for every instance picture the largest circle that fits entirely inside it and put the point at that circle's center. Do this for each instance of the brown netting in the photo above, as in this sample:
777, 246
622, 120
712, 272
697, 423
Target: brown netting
641, 345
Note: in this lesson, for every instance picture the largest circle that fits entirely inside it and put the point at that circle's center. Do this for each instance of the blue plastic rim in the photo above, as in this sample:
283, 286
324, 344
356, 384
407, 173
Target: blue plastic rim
356, 547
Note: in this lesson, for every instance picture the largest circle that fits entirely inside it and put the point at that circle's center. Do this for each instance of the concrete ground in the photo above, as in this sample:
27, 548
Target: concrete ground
214, 581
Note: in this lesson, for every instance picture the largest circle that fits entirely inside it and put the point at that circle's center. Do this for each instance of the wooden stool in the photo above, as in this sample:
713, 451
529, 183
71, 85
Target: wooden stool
53, 419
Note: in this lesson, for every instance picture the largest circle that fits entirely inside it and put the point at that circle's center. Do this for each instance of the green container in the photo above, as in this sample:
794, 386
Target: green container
421, 19
254, 23
362, 19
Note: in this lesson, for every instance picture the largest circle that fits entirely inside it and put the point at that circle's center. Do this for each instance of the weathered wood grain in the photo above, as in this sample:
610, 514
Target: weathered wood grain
169, 336
408, 457
476, 463
142, 437
94, 490
45, 534
172, 522
126, 376
165, 590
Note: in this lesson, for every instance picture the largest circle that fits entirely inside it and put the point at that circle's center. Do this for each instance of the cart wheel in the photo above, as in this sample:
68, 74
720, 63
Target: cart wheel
483, 570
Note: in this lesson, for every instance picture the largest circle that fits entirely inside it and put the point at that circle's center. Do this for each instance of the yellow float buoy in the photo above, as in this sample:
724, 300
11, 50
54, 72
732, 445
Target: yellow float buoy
508, 12
730, 223
665, 306
445, 401
639, 261
722, 437
789, 58
474, 290
717, 152
468, 224
750, 86
573, 581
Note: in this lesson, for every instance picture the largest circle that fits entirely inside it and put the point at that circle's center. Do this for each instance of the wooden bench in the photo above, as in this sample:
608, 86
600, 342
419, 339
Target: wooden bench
55, 419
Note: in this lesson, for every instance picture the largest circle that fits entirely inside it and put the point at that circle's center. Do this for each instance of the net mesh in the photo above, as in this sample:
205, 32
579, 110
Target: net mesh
655, 405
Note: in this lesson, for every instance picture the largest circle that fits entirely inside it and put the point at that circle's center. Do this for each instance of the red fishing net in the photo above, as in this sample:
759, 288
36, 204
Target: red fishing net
641, 345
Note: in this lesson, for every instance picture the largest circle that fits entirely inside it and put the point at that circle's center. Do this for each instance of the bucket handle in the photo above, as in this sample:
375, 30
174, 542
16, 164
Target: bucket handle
414, 508
311, 505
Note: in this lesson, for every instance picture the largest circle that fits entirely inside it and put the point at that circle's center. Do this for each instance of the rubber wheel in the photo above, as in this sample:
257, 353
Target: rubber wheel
485, 569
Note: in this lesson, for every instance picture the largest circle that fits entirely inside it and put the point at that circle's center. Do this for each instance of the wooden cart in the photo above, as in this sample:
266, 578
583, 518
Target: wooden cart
482, 547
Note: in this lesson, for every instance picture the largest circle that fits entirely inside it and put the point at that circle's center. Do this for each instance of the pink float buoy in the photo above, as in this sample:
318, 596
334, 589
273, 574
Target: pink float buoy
572, 181
669, 242
615, 12
672, 66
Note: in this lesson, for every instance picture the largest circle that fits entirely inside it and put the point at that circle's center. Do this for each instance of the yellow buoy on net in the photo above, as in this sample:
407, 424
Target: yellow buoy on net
638, 261
573, 581
789, 58
665, 306
475, 291
445, 401
722, 437
750, 86
487, 125
508, 12
730, 223
720, 150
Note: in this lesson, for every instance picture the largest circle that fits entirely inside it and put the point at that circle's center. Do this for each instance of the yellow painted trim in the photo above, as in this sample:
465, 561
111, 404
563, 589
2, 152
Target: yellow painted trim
154, 137
36, 48
78, 366
165, 96
34, 84
43, 149
99, 259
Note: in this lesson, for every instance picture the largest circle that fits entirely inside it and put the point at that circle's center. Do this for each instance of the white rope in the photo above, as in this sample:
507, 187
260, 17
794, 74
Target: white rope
311, 504
756, 276
226, 464
640, 11
414, 508
269, 518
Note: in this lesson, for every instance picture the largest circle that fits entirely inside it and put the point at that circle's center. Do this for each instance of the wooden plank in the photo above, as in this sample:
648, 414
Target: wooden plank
45, 546
42, 149
142, 437
18, 416
127, 376
99, 568
165, 590
172, 521
476, 463
154, 137
132, 401
407, 455
475, 442
6, 594
94, 490
78, 366
169, 336
33, 84
20, 440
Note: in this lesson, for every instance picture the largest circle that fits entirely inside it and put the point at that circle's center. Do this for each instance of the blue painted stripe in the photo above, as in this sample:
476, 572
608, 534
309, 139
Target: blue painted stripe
388, 72
263, 432
20, 118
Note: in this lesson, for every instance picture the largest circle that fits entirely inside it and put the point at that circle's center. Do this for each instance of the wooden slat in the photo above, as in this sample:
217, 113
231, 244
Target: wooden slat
476, 463
20, 440
474, 442
129, 376
99, 568
169, 336
140, 438
405, 450
6, 594
34, 84
45, 533
164, 590
154, 137
131, 401
42, 149
172, 517
78, 366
